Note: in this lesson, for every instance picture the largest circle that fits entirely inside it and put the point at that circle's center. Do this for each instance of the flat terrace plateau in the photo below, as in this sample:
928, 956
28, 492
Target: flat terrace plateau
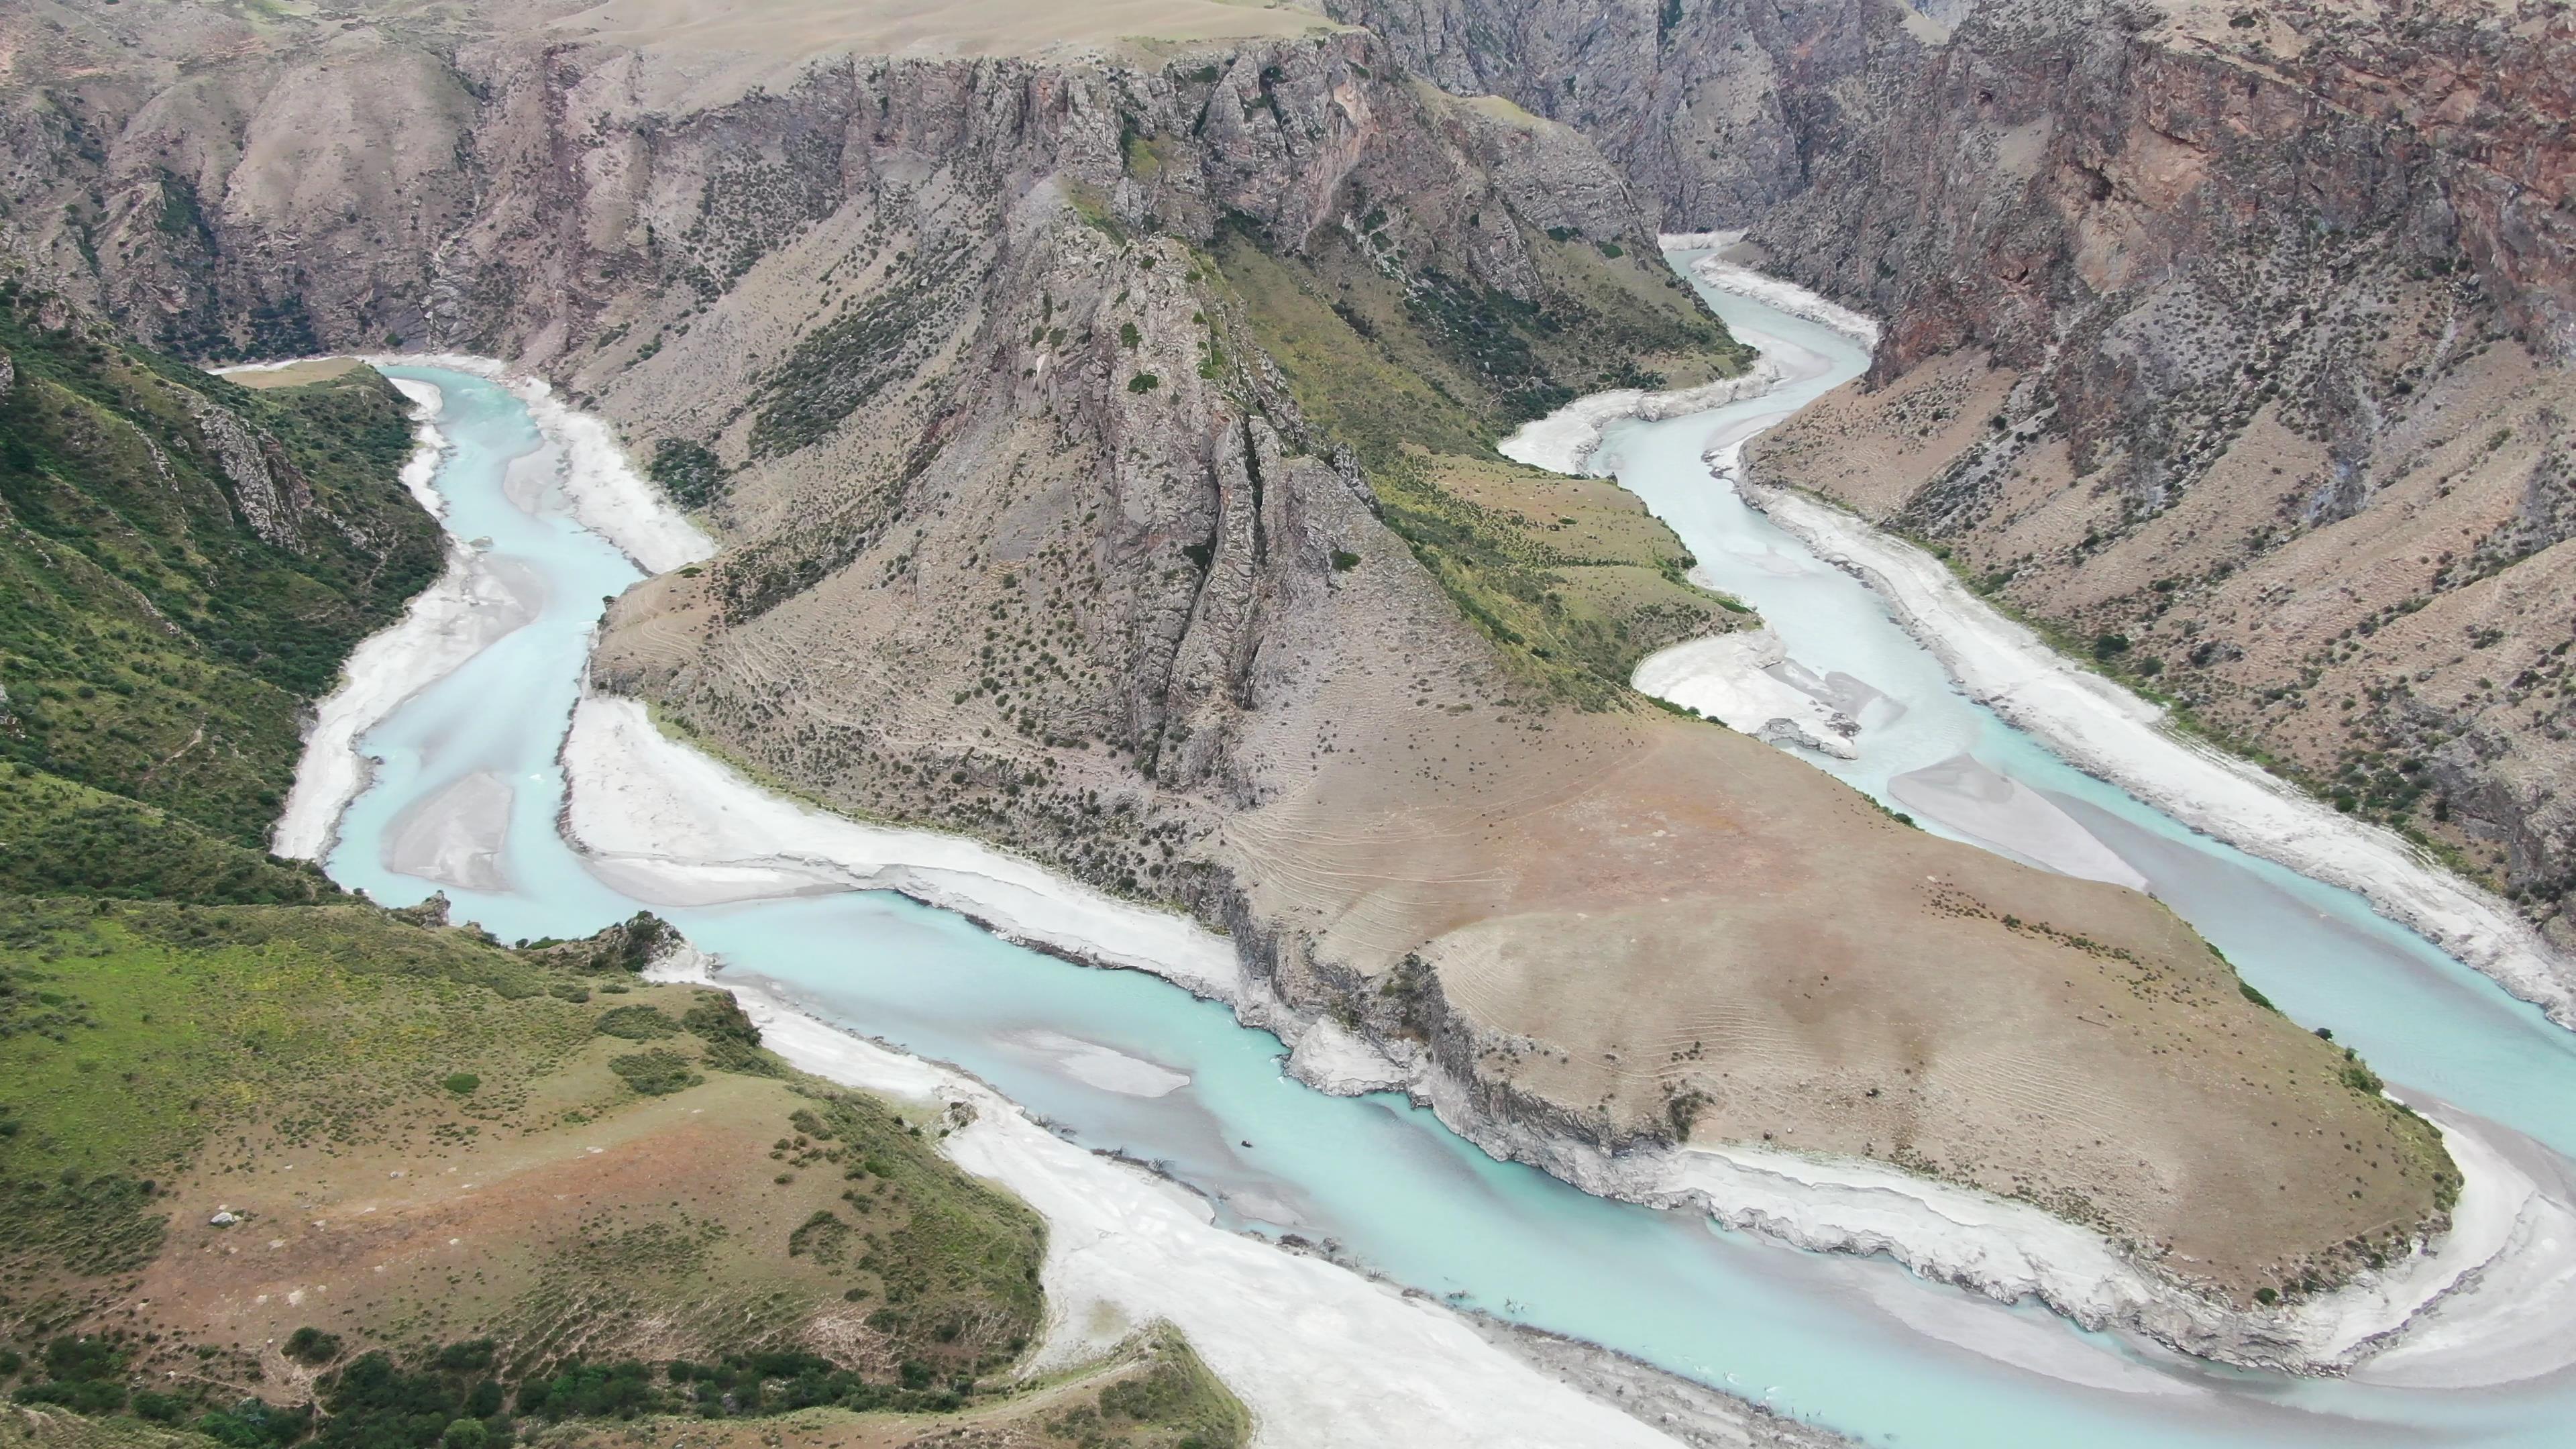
795, 29
1650, 921
295, 374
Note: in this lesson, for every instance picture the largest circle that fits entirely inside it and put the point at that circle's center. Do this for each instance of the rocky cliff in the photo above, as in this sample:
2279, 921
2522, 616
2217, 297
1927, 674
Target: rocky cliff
2228, 339
2233, 342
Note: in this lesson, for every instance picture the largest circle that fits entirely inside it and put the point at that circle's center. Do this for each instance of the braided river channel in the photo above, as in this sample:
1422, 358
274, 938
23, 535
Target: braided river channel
1855, 1344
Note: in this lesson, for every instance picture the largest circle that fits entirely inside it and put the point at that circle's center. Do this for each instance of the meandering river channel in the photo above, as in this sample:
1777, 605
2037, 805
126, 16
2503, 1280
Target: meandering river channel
1126, 1061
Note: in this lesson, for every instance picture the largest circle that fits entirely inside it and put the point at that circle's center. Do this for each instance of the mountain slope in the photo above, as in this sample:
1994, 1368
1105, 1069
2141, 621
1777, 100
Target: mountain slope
184, 563
2229, 340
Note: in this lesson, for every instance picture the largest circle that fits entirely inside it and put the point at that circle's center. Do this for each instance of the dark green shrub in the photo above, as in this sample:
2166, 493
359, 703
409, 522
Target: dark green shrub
635, 1023
656, 1073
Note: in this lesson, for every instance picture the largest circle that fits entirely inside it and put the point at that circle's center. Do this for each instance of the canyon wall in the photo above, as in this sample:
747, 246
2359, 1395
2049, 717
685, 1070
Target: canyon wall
2227, 339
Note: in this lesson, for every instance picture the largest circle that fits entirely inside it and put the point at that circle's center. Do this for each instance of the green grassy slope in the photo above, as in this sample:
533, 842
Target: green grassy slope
1421, 376
152, 644
153, 1054
187, 1021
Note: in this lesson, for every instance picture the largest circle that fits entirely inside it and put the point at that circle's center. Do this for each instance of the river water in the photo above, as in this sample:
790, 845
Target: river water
1856, 1344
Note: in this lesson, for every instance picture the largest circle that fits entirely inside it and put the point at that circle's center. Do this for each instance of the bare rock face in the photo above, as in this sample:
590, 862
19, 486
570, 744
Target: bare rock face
270, 499
1709, 107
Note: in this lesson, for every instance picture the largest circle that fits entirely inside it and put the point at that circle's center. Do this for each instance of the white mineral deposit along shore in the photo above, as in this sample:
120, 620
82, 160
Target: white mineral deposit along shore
2009, 1250
478, 599
2487, 1302
474, 602
2103, 729
606, 493
1789, 297
420, 470
1727, 678
655, 814
1322, 1356
1564, 440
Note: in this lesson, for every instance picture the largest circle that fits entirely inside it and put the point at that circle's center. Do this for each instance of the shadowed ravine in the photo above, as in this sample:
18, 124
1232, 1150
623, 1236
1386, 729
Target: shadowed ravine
1857, 1345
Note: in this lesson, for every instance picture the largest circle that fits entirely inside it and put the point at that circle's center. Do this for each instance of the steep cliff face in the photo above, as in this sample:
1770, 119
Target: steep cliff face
1714, 109
2265, 315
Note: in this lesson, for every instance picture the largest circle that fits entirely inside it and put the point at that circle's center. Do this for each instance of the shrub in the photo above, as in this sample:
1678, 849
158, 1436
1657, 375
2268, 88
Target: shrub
656, 1073
1344, 560
1143, 382
87, 1396
252, 1424
462, 1084
717, 1017
310, 1345
635, 1023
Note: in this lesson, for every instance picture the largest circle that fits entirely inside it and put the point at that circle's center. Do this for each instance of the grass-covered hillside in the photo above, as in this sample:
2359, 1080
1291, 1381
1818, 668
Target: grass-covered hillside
283, 1167
359, 1092
183, 565
1421, 376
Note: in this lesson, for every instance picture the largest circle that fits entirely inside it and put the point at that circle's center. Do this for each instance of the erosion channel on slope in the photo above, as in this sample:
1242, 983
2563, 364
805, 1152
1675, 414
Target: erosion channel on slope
469, 788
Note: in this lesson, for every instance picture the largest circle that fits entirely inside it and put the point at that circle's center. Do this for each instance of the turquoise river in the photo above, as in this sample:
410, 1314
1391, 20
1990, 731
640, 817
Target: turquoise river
1856, 1344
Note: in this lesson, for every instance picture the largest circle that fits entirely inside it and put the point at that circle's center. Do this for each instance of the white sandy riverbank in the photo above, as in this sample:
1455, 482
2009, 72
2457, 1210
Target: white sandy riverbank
601, 485
2004, 814
1322, 1356
1564, 440
659, 812
1732, 276
2006, 1249
477, 600
420, 470
1730, 678
2491, 1297
2106, 731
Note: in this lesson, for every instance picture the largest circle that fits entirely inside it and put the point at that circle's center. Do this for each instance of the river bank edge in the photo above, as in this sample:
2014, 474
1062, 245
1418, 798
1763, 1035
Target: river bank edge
1024, 903
1996, 660
1449, 1374
641, 803
1953, 1235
